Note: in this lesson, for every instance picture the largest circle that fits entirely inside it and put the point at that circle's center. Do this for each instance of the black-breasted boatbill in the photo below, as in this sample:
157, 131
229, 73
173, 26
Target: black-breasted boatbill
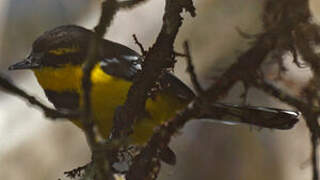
57, 58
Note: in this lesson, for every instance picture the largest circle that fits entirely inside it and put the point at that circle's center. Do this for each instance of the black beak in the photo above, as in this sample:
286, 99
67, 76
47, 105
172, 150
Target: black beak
25, 64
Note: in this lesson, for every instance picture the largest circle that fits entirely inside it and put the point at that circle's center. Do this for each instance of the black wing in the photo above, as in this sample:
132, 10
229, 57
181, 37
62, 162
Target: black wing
119, 61
125, 67
123, 62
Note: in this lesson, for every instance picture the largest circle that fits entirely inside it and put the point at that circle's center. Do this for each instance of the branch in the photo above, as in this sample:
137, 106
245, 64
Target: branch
159, 58
308, 110
279, 94
190, 68
305, 37
160, 139
315, 145
109, 9
143, 52
48, 112
142, 163
128, 4
245, 68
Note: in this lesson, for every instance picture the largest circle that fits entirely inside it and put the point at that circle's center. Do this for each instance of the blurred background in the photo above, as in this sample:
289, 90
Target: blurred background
33, 147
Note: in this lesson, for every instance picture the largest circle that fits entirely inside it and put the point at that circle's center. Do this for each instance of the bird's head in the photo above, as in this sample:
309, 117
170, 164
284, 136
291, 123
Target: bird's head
63, 45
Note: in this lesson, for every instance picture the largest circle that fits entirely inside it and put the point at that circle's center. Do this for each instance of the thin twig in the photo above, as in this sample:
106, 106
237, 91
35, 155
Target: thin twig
190, 68
178, 54
245, 93
77, 172
278, 93
128, 4
143, 51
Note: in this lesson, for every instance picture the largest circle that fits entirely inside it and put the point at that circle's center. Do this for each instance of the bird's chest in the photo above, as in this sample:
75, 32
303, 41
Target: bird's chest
64, 89
105, 88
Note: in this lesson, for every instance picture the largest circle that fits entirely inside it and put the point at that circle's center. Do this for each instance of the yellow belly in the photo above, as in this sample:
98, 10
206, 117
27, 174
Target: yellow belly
160, 109
106, 95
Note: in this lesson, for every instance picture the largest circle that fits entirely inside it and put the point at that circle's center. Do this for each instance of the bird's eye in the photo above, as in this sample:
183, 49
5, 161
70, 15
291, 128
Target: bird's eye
36, 57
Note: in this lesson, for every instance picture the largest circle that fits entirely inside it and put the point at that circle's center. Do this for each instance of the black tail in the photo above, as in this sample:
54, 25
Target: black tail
255, 115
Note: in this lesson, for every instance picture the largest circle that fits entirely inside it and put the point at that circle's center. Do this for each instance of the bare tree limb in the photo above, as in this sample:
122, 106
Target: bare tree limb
109, 9
279, 94
48, 112
159, 58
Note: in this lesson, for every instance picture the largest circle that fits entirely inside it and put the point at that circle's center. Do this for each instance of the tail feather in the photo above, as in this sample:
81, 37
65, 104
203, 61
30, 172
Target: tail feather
254, 115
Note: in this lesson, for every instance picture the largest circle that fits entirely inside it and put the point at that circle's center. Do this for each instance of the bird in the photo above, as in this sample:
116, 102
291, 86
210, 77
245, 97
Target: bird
57, 59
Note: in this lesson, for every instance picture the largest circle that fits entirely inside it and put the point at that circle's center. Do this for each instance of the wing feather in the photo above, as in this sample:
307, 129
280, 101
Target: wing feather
123, 62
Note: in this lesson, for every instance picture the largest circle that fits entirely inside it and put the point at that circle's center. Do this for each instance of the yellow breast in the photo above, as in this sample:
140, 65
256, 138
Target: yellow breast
106, 95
